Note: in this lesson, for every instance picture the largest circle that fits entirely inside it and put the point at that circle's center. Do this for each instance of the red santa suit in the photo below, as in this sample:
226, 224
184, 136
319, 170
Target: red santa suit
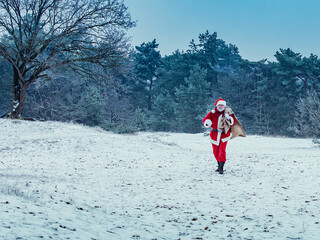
219, 138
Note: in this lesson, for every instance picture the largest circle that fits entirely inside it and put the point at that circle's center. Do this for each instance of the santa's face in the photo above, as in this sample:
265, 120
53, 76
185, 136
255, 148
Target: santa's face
220, 107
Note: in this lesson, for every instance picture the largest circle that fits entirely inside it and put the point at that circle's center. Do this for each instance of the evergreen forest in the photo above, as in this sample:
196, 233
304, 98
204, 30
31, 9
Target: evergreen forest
59, 66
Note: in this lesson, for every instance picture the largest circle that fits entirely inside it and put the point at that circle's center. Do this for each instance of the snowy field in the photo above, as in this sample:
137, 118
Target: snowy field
66, 181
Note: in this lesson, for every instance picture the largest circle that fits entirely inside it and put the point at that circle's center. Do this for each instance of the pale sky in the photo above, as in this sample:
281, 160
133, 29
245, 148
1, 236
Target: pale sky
257, 27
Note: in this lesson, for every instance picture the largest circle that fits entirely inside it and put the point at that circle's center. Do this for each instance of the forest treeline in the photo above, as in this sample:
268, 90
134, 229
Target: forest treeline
127, 89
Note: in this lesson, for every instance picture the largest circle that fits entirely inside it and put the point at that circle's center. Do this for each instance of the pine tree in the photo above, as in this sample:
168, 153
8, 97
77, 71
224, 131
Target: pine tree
191, 100
175, 68
148, 61
207, 55
163, 118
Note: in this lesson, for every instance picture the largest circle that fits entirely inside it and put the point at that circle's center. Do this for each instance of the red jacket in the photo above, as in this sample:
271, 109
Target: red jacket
212, 119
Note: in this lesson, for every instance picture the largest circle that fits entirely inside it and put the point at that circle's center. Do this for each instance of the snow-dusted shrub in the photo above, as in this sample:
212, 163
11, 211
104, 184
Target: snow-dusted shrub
140, 121
122, 128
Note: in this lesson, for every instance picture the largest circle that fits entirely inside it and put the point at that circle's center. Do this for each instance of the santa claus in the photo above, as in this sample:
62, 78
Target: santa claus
225, 126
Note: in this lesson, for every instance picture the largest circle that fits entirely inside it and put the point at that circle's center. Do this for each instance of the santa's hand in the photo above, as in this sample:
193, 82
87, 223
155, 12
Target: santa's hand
208, 123
227, 116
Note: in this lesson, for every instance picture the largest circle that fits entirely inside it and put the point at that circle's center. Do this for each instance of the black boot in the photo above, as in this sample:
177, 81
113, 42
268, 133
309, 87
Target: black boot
218, 169
221, 164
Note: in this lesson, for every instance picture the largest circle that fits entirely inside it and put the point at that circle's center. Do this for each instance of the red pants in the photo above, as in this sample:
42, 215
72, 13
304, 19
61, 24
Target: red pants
219, 152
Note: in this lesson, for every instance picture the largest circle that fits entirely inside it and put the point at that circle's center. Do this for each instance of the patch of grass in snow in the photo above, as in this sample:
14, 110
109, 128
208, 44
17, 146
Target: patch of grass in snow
9, 190
316, 142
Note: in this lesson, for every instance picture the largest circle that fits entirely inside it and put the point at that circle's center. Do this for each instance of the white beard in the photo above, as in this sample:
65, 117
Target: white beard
220, 109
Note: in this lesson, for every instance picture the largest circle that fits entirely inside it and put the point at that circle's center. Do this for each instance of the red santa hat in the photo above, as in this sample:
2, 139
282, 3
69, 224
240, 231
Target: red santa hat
221, 101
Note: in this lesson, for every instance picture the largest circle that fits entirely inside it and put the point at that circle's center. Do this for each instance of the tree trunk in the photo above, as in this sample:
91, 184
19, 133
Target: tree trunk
150, 95
19, 96
149, 102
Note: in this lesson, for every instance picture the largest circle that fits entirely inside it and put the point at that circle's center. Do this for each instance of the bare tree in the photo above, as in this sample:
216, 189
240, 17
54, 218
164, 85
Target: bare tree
38, 36
307, 116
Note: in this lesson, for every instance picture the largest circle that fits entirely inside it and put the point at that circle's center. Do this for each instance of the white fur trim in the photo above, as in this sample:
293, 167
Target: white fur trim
207, 123
231, 120
222, 102
213, 111
217, 142
218, 139
227, 138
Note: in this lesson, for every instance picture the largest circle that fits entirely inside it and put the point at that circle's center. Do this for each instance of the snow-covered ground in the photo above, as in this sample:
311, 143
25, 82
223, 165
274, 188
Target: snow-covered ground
67, 181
